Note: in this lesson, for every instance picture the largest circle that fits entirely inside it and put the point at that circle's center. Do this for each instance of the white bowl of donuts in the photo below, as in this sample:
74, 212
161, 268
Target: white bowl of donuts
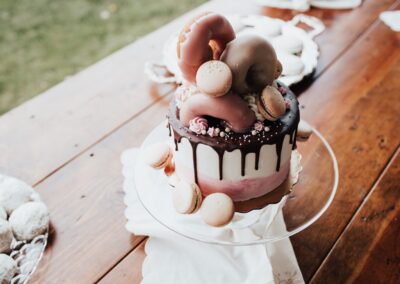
24, 222
295, 47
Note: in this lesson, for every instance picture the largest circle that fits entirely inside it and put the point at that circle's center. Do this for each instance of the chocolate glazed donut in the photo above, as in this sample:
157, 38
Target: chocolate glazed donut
253, 63
231, 108
203, 39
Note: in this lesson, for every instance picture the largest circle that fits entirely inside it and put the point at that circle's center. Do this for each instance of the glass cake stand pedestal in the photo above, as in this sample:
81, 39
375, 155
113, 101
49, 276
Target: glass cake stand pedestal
305, 204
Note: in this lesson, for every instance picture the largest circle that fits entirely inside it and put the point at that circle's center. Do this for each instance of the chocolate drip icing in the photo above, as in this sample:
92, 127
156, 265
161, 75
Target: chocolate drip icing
169, 130
286, 125
257, 158
278, 146
220, 162
294, 139
194, 148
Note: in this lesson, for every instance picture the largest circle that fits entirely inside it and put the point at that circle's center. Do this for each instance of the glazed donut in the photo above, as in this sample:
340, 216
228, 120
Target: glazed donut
231, 108
204, 38
253, 63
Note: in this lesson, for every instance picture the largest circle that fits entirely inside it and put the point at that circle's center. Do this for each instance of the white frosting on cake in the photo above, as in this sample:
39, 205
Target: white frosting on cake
207, 161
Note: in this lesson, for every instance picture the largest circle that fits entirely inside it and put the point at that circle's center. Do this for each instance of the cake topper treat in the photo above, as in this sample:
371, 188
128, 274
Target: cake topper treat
271, 104
214, 78
203, 39
230, 108
252, 61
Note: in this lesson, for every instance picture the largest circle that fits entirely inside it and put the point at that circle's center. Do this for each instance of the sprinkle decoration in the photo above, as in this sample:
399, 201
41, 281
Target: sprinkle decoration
259, 126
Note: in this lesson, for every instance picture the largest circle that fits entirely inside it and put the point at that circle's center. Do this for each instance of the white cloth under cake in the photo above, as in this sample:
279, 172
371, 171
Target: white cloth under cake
304, 5
172, 258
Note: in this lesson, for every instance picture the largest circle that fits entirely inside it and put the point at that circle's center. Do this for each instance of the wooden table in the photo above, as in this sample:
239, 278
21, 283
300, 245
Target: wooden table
67, 143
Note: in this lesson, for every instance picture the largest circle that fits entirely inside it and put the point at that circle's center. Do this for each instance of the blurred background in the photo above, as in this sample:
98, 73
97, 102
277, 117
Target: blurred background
44, 41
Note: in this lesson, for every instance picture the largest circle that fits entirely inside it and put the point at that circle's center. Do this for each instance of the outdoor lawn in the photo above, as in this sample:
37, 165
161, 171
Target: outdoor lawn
44, 41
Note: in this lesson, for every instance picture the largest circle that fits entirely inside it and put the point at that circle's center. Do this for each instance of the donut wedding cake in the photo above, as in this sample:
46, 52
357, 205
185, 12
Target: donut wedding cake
232, 125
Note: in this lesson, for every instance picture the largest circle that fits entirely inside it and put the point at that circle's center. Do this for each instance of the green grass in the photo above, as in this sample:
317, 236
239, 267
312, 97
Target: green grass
43, 41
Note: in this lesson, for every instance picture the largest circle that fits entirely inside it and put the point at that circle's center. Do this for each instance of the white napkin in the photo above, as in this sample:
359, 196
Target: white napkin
172, 258
391, 19
304, 5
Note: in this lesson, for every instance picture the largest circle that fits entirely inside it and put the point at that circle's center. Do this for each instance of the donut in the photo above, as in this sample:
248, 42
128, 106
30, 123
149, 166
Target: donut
13, 193
6, 236
29, 220
8, 268
253, 63
203, 39
231, 108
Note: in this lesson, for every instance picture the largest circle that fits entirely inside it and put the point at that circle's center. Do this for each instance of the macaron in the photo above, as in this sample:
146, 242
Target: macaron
217, 209
291, 64
186, 197
173, 179
286, 43
169, 168
271, 104
304, 131
158, 155
214, 78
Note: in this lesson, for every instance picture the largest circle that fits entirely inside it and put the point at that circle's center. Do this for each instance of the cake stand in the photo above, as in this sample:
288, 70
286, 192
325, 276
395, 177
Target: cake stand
305, 204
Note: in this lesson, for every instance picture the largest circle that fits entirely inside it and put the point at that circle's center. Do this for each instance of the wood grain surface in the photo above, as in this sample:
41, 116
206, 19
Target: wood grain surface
68, 143
368, 250
74, 115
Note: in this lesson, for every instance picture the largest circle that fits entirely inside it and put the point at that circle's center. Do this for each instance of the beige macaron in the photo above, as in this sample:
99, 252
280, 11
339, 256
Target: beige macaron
271, 104
186, 197
304, 131
173, 179
217, 209
214, 78
158, 155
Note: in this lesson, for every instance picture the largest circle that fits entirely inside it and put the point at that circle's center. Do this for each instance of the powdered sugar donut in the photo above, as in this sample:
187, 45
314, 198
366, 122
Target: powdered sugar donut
29, 220
8, 268
6, 236
13, 193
